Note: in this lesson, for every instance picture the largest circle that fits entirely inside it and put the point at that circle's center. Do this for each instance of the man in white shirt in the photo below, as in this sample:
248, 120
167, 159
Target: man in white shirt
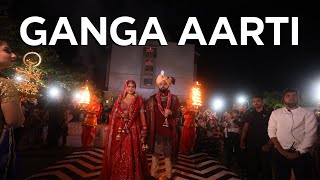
292, 130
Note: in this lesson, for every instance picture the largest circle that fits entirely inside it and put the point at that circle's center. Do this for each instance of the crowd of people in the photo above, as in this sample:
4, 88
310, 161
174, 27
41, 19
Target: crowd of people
261, 142
46, 123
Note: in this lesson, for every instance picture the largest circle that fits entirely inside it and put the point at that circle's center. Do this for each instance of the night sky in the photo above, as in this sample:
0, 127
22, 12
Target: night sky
221, 68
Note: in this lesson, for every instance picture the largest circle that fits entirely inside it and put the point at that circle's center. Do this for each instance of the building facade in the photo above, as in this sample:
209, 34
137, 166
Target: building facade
144, 63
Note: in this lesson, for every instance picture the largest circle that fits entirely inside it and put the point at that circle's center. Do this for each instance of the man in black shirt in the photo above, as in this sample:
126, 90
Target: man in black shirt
55, 116
256, 141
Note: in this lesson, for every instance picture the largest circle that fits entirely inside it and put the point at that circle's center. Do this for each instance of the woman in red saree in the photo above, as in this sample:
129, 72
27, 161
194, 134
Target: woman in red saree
124, 157
188, 135
93, 111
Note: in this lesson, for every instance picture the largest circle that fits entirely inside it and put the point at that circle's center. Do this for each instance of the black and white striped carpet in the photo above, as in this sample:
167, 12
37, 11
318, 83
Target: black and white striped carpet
87, 164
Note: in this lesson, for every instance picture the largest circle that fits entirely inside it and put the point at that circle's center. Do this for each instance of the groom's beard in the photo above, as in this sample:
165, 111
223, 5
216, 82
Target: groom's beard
163, 90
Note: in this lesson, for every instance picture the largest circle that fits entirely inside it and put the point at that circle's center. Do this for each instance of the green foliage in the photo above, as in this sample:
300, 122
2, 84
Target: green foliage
272, 98
52, 68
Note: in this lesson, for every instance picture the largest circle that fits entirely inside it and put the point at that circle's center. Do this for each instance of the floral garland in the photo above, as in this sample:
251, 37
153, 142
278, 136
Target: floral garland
159, 102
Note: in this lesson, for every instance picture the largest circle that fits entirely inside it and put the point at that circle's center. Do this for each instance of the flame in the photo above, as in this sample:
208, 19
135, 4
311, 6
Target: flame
85, 96
196, 95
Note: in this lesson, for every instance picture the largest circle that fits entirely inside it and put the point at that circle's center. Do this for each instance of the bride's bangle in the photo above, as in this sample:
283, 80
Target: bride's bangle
144, 132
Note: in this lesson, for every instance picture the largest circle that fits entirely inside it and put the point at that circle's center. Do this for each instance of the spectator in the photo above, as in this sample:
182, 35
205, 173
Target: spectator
292, 130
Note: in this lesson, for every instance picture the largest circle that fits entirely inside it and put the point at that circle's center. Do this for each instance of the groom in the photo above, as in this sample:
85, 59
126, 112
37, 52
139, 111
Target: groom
162, 114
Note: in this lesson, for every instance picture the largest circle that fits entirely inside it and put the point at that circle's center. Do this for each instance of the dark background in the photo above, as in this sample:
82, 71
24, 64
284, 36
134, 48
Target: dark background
222, 68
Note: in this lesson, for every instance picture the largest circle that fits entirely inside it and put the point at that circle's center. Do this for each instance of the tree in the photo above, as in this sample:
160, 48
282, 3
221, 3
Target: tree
52, 68
272, 99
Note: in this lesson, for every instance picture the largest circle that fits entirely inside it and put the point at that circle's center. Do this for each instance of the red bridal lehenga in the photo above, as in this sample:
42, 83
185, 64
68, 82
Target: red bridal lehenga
124, 158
